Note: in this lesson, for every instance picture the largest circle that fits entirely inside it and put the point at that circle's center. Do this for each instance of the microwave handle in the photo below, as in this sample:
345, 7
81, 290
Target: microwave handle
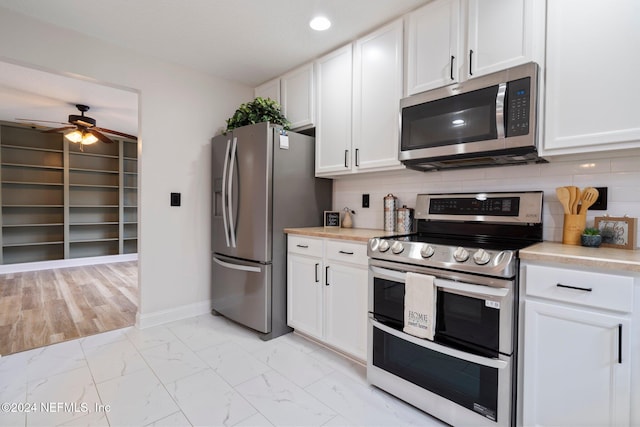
502, 90
479, 360
479, 290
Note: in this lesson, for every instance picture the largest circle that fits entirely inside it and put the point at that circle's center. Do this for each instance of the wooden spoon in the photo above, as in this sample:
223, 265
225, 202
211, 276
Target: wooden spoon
589, 197
564, 196
573, 200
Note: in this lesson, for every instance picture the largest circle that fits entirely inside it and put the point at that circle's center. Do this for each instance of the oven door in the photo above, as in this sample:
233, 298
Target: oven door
450, 373
472, 317
441, 380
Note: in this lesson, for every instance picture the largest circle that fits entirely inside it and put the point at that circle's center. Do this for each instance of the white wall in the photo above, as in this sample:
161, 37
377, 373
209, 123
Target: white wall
621, 174
180, 110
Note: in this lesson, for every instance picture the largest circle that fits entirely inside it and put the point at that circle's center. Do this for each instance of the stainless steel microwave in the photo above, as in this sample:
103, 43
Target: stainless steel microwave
486, 121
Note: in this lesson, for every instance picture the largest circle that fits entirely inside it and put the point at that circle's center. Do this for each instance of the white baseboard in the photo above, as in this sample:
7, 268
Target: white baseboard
62, 263
149, 320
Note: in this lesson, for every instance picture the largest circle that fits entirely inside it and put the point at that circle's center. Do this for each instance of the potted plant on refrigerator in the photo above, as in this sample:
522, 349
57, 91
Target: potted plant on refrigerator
257, 111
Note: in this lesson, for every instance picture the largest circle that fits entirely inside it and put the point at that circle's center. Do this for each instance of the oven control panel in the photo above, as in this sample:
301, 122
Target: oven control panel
513, 208
477, 260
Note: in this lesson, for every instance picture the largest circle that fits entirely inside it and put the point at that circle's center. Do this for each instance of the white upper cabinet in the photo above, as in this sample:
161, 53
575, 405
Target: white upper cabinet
500, 35
359, 88
377, 90
592, 68
297, 93
270, 89
333, 130
452, 40
433, 46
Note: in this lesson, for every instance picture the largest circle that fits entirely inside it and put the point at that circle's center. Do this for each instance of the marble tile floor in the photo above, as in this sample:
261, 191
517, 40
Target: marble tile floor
203, 371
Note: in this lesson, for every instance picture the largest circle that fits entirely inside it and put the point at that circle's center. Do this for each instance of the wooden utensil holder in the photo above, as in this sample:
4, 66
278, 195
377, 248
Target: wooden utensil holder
573, 227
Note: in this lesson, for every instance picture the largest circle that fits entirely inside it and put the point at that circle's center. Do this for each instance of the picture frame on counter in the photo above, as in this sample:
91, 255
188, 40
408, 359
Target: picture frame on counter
331, 219
617, 232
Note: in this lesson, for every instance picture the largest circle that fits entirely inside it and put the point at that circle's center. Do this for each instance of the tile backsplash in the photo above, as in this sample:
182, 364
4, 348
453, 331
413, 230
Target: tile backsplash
621, 175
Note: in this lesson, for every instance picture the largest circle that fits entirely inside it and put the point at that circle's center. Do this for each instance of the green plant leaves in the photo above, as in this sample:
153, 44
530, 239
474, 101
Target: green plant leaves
257, 111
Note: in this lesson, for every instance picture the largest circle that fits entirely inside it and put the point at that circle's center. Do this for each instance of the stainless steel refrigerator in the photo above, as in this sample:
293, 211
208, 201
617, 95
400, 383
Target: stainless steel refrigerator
263, 182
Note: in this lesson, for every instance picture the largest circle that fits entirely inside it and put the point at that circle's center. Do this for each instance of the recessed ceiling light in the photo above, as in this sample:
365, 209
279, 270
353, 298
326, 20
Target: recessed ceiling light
320, 23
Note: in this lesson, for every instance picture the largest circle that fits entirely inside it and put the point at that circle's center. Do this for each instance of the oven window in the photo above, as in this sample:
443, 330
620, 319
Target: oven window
467, 323
388, 302
470, 385
467, 117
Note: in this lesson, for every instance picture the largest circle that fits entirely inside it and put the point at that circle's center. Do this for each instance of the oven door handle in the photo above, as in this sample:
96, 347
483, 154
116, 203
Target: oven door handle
477, 290
479, 360
384, 273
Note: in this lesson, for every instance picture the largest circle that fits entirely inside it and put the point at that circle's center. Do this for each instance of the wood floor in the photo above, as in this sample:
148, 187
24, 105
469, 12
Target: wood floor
38, 308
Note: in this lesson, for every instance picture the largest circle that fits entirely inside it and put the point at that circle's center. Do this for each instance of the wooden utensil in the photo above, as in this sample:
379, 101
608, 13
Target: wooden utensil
573, 200
589, 197
576, 203
564, 196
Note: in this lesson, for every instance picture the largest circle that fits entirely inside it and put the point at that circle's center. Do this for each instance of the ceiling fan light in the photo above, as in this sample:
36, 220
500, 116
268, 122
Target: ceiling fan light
82, 137
88, 139
74, 136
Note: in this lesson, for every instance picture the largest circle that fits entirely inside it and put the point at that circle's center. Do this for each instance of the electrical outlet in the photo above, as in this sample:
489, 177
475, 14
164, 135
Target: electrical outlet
601, 201
365, 200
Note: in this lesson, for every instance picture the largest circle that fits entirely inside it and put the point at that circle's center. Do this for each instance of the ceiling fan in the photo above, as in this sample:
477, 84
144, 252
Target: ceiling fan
84, 128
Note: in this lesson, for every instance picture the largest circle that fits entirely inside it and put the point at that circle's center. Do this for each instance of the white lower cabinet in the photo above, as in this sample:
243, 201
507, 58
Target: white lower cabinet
577, 358
346, 308
305, 297
327, 292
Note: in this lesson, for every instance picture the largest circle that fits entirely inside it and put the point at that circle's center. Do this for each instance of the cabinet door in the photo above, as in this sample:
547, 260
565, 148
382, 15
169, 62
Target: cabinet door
345, 315
297, 97
500, 35
270, 89
592, 76
576, 367
333, 131
433, 45
377, 92
304, 294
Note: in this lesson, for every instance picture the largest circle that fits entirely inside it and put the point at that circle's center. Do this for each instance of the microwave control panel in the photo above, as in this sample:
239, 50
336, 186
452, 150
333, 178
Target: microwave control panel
518, 106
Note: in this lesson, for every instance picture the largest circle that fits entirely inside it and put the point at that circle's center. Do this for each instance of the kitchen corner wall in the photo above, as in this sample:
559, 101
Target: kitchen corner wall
620, 173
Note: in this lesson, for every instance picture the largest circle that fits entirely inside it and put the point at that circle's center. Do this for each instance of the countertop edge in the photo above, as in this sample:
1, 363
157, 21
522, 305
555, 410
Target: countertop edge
351, 234
603, 258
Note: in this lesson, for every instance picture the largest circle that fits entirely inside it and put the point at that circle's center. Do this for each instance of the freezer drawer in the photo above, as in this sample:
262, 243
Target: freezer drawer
241, 291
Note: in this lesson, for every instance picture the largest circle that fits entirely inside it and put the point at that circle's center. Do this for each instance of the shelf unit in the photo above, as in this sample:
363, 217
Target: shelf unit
60, 201
129, 200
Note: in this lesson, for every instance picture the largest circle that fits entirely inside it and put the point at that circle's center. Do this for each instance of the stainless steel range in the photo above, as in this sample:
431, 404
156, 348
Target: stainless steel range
465, 252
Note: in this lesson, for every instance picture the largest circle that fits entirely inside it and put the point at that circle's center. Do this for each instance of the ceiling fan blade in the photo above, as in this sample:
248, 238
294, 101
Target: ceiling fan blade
115, 132
62, 129
42, 121
100, 136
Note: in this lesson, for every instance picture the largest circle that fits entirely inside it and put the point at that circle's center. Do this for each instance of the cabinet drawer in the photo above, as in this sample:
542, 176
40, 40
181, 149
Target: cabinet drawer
342, 251
305, 245
607, 291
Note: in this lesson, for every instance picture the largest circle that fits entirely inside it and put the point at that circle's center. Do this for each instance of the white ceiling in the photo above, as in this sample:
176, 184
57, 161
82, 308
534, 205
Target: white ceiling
248, 41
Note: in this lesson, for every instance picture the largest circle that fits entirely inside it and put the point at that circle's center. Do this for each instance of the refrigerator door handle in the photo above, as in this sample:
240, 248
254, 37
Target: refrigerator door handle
237, 266
232, 230
224, 192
